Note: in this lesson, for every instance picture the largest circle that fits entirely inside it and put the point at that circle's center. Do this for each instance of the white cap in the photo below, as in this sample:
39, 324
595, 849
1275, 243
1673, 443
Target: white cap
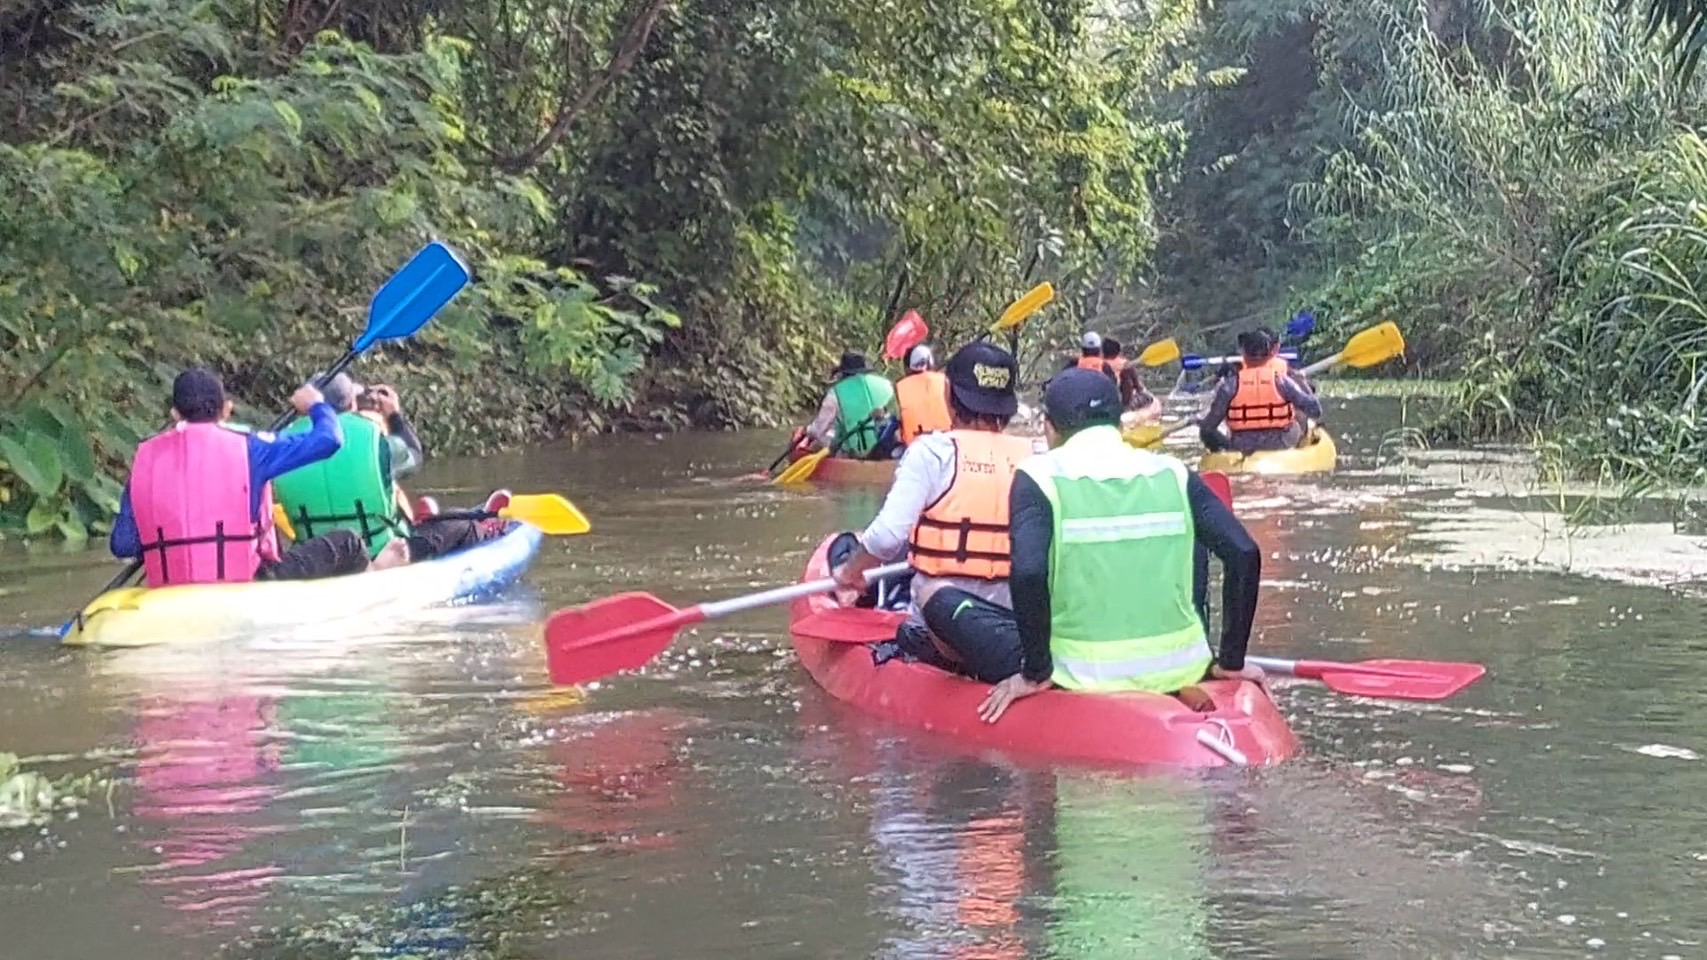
920, 358
1091, 341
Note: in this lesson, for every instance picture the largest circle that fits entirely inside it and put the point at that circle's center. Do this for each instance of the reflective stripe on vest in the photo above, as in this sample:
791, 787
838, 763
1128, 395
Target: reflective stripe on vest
965, 532
1121, 518
923, 399
1258, 404
350, 490
190, 493
857, 398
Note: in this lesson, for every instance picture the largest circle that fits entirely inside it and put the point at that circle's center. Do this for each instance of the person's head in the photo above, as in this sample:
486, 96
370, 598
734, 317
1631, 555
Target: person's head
1091, 344
851, 364
1076, 399
341, 392
1110, 348
198, 396
920, 358
1257, 345
982, 380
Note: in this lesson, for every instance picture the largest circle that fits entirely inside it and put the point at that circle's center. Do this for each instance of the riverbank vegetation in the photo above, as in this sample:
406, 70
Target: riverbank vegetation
681, 211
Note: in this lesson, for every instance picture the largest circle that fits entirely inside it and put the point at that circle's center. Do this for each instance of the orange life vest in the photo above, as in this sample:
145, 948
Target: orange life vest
923, 399
1257, 404
965, 532
1096, 363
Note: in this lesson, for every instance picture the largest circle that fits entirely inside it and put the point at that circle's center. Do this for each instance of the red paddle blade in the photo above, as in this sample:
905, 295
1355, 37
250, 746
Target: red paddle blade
1397, 679
844, 625
907, 333
609, 636
1219, 485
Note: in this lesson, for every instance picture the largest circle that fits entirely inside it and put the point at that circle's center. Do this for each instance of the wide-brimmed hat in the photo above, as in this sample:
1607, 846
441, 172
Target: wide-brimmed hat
851, 364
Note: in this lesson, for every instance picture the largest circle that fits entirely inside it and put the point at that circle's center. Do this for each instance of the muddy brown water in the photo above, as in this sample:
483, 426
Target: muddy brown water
342, 791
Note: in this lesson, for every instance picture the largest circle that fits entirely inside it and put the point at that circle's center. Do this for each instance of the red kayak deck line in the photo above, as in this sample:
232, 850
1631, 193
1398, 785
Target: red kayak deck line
1127, 729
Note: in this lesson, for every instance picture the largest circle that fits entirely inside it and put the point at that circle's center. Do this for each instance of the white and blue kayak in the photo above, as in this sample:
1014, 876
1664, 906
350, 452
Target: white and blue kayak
140, 617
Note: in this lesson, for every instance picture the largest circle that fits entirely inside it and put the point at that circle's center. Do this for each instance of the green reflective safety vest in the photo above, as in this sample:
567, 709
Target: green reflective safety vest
350, 490
1120, 567
857, 398
1128, 859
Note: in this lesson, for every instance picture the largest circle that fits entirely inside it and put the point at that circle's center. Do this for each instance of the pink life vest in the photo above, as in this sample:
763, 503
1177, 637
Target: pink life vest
189, 489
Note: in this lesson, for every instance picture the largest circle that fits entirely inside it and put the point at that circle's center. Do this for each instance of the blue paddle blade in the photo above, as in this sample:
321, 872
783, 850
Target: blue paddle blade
1299, 327
1191, 361
413, 295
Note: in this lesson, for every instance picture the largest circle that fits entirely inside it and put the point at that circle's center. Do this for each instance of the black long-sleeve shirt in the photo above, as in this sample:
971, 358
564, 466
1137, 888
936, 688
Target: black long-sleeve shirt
1031, 526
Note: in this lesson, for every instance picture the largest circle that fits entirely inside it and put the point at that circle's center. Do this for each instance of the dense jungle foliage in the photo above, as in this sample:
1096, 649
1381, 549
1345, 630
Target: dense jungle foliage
681, 210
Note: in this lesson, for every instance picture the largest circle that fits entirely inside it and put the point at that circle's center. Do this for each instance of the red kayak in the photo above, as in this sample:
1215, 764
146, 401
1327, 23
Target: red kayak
1127, 729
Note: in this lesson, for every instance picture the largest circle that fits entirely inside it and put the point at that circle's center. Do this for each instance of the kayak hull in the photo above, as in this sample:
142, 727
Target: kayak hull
1125, 729
844, 471
1317, 455
138, 616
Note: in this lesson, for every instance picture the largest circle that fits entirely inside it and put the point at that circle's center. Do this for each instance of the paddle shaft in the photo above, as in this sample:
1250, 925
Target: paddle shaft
1314, 669
284, 419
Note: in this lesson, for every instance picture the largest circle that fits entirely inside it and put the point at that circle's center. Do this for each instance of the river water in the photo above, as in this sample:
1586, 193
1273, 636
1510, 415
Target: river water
418, 789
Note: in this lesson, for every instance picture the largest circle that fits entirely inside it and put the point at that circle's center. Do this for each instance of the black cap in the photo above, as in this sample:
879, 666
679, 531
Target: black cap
1079, 398
198, 395
1258, 343
982, 377
851, 364
1111, 347
340, 392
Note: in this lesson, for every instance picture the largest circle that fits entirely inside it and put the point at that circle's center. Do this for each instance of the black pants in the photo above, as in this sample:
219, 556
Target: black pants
435, 538
336, 554
1253, 441
983, 636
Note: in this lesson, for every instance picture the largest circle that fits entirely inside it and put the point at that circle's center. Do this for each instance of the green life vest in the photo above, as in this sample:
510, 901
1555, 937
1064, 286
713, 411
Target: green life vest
350, 490
857, 398
1121, 518
1128, 870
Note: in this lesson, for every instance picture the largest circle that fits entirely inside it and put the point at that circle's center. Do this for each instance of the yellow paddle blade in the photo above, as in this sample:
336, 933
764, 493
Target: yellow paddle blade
550, 512
1034, 300
1160, 353
1144, 435
801, 470
281, 521
1375, 345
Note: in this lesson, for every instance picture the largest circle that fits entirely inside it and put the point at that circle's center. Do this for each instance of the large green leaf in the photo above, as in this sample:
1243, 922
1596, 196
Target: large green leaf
43, 452
23, 464
77, 454
43, 515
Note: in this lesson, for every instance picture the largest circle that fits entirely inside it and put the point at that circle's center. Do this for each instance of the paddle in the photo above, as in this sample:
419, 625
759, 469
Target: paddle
626, 631
1192, 361
1160, 353
907, 333
550, 512
1017, 312
402, 306
1299, 328
1394, 679
1366, 348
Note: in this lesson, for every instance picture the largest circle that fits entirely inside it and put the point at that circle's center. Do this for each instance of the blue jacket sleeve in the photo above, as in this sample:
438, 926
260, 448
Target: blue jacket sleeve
125, 542
1308, 405
272, 457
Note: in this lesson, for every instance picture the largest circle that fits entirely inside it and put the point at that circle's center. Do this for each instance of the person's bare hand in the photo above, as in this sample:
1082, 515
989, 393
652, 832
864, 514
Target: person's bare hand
385, 399
1003, 694
305, 397
1249, 671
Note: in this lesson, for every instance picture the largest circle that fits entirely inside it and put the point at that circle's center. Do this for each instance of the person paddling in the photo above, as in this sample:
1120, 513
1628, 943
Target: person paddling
859, 403
1134, 397
355, 490
922, 396
1262, 404
1090, 356
948, 509
198, 505
1093, 521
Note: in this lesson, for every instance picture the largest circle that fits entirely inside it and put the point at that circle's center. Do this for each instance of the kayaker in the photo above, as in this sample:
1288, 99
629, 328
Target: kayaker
381, 404
1090, 520
1090, 356
1134, 397
1262, 404
922, 396
859, 403
202, 490
335, 493
948, 508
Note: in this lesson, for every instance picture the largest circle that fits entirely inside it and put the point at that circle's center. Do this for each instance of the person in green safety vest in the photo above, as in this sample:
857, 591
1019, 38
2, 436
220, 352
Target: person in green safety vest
355, 490
1088, 521
855, 412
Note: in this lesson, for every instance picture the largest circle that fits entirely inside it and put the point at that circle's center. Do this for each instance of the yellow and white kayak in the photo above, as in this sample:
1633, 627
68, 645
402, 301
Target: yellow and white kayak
1317, 454
139, 617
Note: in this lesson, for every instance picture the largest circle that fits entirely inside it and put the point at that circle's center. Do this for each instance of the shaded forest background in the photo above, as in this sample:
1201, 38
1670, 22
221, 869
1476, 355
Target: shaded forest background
682, 210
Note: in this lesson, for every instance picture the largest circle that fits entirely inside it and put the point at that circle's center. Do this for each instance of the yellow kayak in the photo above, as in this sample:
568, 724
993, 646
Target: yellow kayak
140, 617
1316, 455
